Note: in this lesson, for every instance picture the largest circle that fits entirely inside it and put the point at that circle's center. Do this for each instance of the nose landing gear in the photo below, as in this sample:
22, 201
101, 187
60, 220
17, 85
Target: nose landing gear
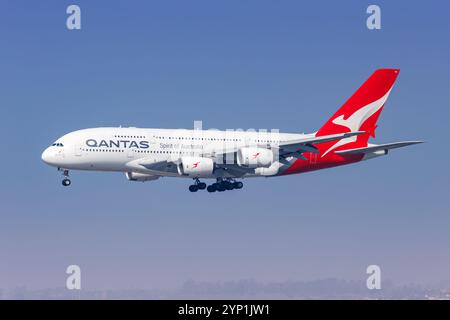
66, 181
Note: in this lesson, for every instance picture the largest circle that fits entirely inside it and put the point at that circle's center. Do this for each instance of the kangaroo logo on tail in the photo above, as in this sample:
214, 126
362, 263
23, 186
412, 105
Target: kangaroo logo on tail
356, 120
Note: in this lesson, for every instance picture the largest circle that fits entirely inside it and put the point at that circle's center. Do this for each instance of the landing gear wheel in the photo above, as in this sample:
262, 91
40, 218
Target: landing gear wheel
228, 185
201, 186
66, 181
220, 187
238, 185
193, 188
197, 185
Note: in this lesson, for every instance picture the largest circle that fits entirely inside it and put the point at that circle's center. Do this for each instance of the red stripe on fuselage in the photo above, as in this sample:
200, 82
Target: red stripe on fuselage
316, 162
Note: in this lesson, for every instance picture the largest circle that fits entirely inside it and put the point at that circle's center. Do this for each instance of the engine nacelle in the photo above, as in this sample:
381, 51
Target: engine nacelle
253, 157
136, 176
196, 166
268, 171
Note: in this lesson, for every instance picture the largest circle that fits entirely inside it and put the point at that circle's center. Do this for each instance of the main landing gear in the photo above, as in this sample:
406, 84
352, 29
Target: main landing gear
227, 184
220, 186
66, 181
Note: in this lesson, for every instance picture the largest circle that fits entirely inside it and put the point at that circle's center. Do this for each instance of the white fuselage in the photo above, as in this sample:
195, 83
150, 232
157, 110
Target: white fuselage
124, 149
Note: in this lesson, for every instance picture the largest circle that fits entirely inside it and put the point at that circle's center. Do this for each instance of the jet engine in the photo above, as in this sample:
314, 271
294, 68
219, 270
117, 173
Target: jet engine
136, 176
253, 157
196, 166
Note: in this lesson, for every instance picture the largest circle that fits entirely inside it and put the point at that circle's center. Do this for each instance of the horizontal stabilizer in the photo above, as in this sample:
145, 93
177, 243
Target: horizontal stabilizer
373, 148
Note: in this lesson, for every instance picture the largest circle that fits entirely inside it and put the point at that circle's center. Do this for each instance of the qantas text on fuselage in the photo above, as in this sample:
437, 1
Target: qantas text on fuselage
230, 156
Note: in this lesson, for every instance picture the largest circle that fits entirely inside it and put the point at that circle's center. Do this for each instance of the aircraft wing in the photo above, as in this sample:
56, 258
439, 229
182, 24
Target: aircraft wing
171, 167
160, 166
288, 148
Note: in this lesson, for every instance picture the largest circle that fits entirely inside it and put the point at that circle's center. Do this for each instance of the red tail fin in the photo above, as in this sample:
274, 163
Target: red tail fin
361, 111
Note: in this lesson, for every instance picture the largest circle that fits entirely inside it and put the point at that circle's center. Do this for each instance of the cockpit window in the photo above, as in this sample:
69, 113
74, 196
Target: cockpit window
57, 144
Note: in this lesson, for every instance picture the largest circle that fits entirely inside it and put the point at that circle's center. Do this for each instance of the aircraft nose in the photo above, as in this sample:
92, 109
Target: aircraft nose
47, 156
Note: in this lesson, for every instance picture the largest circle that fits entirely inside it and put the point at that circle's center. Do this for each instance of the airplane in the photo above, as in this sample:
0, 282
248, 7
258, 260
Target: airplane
230, 156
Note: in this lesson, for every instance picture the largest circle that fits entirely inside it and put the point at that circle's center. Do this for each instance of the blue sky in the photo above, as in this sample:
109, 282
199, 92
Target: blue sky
232, 64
